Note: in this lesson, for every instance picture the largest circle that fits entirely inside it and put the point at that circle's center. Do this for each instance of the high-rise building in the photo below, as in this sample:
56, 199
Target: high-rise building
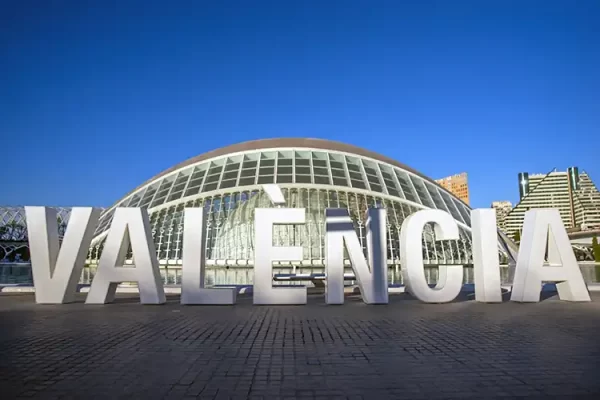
502, 209
571, 192
457, 185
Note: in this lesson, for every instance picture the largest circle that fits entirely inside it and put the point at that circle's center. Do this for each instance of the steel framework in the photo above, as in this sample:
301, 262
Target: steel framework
313, 174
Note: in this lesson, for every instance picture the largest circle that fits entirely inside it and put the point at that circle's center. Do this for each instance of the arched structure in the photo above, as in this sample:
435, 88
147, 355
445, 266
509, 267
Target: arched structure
314, 174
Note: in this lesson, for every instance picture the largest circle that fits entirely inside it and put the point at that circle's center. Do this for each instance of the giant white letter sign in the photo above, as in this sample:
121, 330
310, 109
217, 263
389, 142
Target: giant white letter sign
485, 256
265, 253
56, 271
450, 276
543, 229
194, 264
129, 225
339, 232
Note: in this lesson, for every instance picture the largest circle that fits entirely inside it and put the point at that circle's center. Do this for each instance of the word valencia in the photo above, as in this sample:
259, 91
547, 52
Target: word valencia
545, 254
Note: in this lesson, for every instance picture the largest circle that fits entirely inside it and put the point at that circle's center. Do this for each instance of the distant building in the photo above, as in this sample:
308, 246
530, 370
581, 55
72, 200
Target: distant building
313, 175
571, 192
457, 185
502, 209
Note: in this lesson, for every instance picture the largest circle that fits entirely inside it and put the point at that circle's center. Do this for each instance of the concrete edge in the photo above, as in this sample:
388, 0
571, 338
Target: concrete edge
246, 289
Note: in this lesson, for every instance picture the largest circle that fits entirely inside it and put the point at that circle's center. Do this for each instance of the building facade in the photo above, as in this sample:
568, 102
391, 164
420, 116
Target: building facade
313, 174
571, 192
457, 184
502, 209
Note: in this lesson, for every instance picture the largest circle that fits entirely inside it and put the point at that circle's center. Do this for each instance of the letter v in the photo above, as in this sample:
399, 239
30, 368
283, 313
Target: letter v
57, 268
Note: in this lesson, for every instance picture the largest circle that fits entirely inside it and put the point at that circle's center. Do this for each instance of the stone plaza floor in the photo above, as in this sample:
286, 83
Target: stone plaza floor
404, 350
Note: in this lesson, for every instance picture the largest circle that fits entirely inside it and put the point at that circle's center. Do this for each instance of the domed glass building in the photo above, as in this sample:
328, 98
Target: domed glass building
313, 174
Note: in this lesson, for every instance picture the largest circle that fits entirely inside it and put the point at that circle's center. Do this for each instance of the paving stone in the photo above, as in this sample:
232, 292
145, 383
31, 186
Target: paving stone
405, 350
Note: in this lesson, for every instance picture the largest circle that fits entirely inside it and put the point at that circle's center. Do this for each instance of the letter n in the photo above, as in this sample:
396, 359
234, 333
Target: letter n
371, 275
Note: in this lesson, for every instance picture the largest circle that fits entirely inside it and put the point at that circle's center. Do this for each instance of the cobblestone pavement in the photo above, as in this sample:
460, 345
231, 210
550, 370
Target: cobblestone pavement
402, 350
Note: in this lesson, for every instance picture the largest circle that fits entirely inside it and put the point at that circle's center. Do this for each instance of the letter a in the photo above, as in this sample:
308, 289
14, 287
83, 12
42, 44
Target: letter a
129, 225
57, 269
543, 229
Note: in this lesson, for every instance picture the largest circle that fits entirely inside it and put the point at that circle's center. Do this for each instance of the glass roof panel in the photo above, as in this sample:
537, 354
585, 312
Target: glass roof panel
407, 188
423, 194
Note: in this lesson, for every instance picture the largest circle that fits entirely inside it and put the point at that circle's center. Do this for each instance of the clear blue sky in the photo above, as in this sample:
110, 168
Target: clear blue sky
96, 97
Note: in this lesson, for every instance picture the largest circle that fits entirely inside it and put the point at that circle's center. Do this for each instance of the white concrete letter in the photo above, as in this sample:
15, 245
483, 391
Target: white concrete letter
56, 271
194, 264
543, 229
339, 232
265, 253
485, 256
411, 255
274, 193
129, 225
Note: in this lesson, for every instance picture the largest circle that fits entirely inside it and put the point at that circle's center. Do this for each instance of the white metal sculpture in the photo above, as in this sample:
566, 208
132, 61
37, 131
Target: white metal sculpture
57, 268
129, 226
265, 253
486, 263
194, 264
450, 277
372, 274
543, 230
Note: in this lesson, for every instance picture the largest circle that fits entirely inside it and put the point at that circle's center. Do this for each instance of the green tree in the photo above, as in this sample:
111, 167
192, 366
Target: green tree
517, 236
13, 232
596, 251
62, 226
